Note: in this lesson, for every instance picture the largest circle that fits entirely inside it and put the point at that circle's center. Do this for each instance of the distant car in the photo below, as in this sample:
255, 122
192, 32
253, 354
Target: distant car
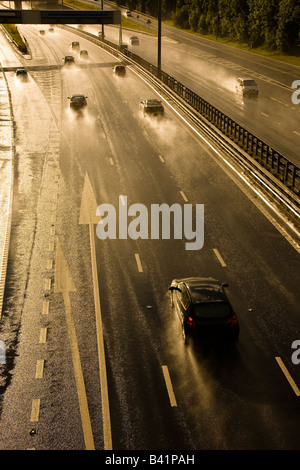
69, 60
80, 27
152, 107
51, 30
120, 69
246, 86
75, 46
42, 32
134, 41
77, 102
22, 74
83, 54
204, 310
128, 13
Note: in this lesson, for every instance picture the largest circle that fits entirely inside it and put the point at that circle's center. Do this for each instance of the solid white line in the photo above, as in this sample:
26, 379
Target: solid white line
184, 196
288, 376
219, 257
169, 386
81, 392
106, 422
138, 262
295, 132
161, 159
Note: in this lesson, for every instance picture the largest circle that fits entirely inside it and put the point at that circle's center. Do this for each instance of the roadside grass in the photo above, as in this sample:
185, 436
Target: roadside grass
126, 23
12, 30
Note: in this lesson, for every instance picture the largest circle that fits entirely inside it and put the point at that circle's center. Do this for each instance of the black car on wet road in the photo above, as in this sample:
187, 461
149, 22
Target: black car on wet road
77, 102
204, 310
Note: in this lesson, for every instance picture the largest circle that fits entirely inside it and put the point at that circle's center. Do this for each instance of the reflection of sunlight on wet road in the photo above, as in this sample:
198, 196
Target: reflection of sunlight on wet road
82, 117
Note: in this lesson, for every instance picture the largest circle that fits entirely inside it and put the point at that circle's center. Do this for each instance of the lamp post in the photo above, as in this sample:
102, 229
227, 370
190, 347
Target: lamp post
102, 28
159, 40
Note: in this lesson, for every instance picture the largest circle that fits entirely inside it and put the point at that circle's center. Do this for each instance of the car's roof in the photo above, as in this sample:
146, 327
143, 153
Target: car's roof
77, 95
204, 289
245, 79
21, 69
152, 102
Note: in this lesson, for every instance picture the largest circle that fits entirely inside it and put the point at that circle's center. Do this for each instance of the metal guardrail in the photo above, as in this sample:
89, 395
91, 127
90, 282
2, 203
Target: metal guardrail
279, 165
272, 162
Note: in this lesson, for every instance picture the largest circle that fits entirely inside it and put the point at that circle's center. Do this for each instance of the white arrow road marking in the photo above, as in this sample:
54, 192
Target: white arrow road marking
88, 216
64, 284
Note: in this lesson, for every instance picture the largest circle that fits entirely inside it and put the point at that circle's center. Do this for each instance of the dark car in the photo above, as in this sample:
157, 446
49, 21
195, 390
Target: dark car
120, 69
83, 54
42, 32
22, 74
69, 60
51, 30
75, 46
152, 107
134, 41
77, 101
204, 310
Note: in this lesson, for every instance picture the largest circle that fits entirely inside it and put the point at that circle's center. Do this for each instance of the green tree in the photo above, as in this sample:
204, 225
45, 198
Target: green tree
287, 37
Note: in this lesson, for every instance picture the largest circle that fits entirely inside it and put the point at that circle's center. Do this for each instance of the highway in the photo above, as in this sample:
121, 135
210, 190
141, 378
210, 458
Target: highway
116, 374
211, 71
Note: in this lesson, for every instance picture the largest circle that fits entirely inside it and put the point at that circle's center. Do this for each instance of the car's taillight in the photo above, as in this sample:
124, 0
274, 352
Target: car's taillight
234, 321
191, 323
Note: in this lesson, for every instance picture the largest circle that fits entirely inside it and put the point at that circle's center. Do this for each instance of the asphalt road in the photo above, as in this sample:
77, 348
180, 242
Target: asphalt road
217, 398
211, 69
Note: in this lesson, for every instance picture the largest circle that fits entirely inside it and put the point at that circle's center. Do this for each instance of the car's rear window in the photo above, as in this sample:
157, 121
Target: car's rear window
208, 310
206, 293
78, 99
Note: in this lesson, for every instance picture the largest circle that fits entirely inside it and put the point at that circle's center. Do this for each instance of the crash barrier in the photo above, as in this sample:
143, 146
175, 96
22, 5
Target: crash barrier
286, 171
276, 164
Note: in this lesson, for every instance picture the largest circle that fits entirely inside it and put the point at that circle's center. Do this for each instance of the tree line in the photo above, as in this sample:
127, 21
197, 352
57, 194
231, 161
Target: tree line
271, 23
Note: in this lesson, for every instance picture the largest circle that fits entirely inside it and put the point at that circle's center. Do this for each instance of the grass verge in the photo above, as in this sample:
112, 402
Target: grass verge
126, 23
13, 32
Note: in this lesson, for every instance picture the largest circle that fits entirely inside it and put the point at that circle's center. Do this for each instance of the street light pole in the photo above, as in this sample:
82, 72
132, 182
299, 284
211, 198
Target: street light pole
102, 23
159, 41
